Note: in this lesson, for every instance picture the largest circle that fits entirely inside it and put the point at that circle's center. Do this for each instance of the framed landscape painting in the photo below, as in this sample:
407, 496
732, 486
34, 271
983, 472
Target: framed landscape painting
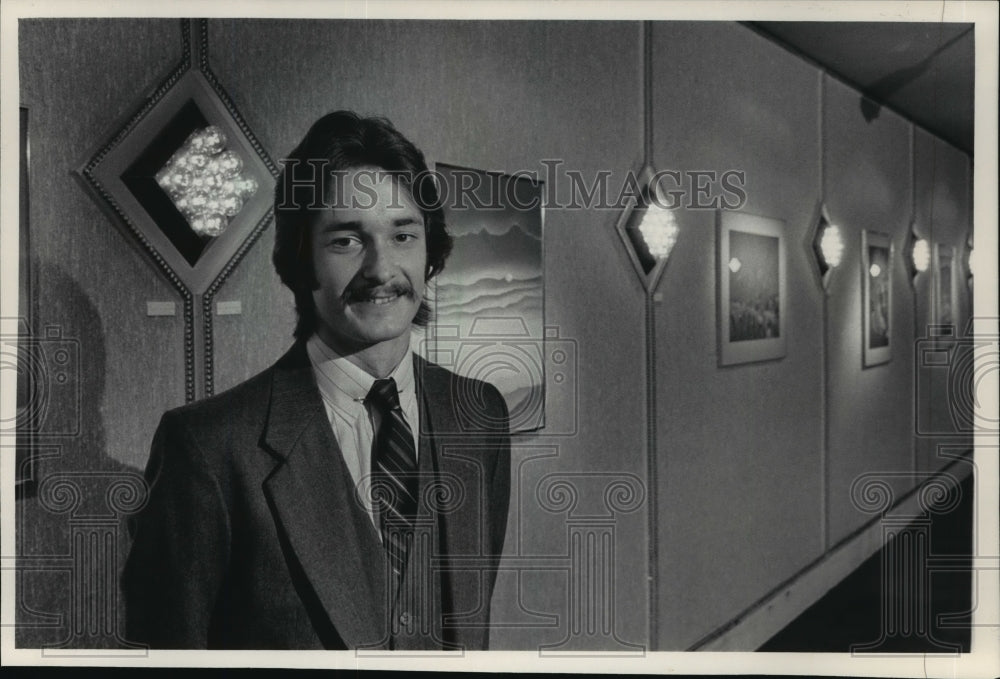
876, 302
489, 299
944, 285
751, 288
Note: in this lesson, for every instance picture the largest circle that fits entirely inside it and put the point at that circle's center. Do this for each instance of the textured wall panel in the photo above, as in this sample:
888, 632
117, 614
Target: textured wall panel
738, 447
77, 78
871, 409
943, 213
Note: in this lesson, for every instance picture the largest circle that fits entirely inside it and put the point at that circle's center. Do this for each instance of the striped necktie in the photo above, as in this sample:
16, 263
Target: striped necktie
394, 479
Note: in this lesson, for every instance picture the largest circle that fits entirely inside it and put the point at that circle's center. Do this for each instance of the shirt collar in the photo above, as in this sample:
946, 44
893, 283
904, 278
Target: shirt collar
342, 383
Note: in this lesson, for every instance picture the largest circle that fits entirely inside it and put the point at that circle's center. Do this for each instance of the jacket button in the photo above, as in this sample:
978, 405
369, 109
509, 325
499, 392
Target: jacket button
405, 618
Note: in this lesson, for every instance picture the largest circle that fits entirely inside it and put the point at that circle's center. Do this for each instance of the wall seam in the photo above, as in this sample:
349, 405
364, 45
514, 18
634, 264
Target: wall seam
824, 376
646, 57
646, 66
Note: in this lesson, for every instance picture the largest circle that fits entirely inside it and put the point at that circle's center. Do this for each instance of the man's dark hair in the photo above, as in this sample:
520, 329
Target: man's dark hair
338, 142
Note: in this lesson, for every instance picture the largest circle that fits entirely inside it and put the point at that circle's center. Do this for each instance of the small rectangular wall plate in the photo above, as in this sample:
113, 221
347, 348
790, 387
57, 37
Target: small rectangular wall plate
234, 308
161, 309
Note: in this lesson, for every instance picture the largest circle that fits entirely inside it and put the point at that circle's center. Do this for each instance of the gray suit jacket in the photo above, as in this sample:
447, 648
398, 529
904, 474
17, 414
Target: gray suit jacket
253, 536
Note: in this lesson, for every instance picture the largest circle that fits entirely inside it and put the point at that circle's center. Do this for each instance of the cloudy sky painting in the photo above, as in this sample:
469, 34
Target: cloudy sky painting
489, 297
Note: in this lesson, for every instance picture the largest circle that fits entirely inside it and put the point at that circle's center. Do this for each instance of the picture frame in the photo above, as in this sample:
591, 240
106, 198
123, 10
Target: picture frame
752, 300
876, 298
489, 301
25, 483
944, 285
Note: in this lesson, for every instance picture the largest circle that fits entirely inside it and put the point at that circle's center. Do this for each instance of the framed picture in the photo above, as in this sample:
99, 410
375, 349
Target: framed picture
944, 285
489, 299
751, 300
28, 381
876, 303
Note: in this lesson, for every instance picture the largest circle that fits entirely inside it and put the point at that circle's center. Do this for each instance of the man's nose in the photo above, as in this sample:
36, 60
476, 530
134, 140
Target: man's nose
378, 264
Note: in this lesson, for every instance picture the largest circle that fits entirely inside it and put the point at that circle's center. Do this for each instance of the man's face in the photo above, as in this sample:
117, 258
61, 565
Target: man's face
370, 257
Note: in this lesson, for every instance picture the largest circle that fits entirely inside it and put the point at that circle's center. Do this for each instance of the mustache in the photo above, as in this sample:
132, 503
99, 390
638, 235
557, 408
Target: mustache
363, 293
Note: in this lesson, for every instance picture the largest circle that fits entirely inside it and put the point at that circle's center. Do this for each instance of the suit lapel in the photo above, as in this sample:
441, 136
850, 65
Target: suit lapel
312, 496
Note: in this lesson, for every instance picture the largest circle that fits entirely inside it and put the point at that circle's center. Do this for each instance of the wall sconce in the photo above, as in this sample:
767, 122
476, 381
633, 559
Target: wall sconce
658, 229
827, 244
185, 180
921, 255
649, 231
205, 181
917, 254
831, 246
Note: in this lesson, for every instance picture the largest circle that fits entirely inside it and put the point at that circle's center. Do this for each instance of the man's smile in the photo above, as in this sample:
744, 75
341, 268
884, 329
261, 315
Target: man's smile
384, 299
379, 297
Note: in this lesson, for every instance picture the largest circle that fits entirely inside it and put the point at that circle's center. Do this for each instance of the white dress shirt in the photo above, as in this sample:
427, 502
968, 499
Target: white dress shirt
344, 386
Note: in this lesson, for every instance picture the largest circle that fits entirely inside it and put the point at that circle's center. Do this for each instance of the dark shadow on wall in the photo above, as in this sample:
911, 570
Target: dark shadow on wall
71, 533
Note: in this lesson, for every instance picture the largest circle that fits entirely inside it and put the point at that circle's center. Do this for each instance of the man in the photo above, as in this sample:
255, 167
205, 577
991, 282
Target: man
352, 495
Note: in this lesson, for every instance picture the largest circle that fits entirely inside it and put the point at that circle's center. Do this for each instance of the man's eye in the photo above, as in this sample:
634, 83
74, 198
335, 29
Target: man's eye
341, 242
405, 237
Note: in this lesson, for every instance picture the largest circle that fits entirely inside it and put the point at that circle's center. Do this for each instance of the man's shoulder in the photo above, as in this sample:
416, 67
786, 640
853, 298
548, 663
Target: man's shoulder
469, 398
434, 374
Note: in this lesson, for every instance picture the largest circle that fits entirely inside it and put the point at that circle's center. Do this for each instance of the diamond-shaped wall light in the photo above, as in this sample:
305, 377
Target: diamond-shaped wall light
826, 245
185, 180
648, 229
916, 254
